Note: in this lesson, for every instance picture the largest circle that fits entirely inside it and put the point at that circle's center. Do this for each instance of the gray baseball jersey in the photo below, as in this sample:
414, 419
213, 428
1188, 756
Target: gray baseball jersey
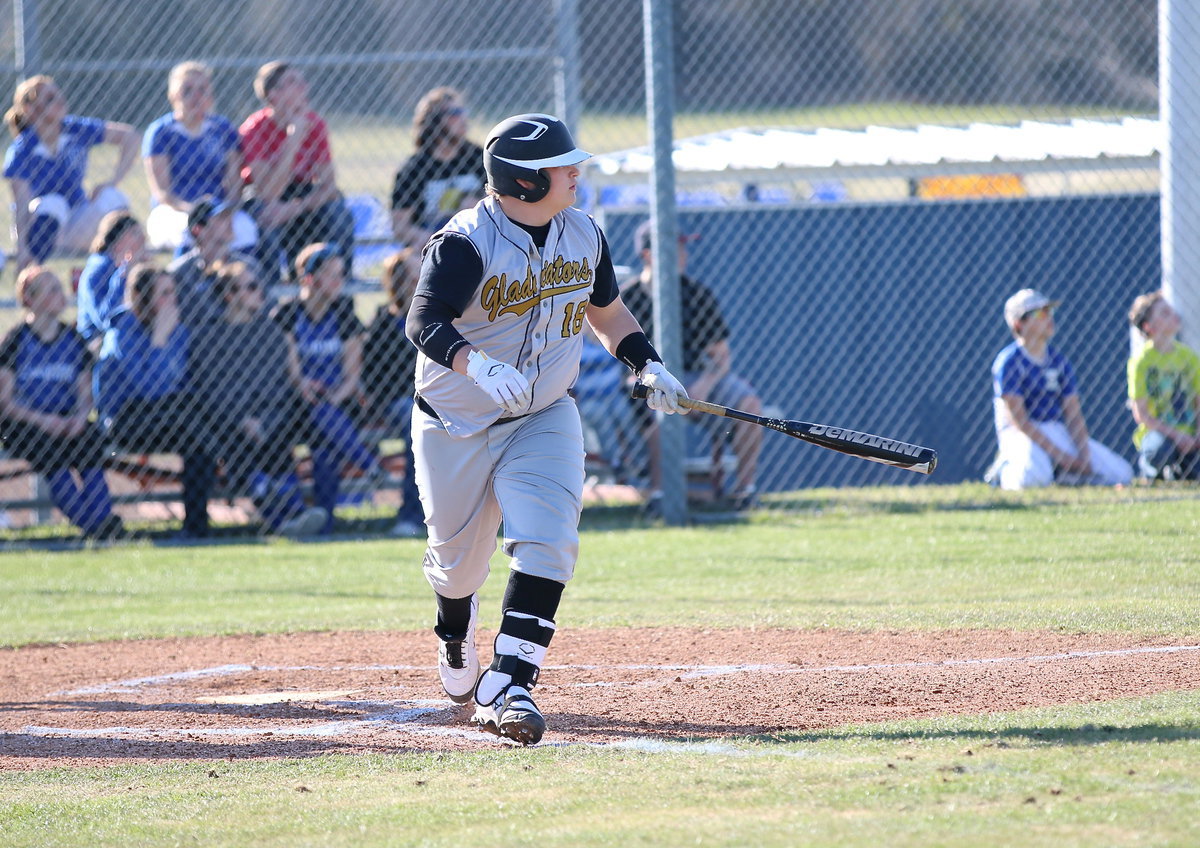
528, 311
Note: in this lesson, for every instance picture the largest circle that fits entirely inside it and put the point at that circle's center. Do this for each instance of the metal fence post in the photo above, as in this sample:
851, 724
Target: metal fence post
28, 46
660, 112
566, 64
1179, 107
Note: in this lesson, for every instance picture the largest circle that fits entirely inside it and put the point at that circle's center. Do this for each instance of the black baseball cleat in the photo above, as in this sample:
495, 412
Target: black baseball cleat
513, 715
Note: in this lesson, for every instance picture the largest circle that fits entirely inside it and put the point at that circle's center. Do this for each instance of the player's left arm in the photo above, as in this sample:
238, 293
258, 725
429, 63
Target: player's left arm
611, 319
1077, 427
612, 323
352, 355
125, 138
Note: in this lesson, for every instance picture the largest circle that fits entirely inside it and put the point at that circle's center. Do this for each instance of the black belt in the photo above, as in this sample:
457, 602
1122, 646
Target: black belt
424, 406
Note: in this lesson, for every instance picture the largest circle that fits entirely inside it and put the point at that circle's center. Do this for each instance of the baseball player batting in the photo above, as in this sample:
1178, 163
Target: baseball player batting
497, 318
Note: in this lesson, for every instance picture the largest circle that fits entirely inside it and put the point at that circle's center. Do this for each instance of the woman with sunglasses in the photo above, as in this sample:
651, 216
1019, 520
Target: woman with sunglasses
444, 175
239, 365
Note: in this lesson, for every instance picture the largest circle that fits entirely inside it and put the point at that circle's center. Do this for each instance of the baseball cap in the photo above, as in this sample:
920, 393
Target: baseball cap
1023, 302
641, 239
204, 210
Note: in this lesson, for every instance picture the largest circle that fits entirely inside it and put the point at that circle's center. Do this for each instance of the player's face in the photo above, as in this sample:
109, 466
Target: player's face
218, 231
48, 104
44, 295
1038, 324
327, 280
564, 181
290, 94
1163, 320
164, 293
454, 120
247, 293
191, 95
131, 245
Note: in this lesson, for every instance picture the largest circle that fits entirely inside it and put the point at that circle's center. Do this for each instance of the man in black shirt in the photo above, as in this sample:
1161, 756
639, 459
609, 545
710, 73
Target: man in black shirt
443, 176
707, 365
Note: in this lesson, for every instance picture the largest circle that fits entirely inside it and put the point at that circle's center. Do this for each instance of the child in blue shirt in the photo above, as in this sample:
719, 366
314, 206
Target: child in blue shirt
1040, 426
144, 389
46, 164
325, 344
119, 243
192, 153
45, 398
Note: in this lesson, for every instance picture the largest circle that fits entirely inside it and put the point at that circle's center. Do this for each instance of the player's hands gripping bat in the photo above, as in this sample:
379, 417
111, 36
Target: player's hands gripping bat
863, 445
661, 390
504, 384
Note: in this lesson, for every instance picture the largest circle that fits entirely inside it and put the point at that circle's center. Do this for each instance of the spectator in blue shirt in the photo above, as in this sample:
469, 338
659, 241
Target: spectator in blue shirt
1040, 427
46, 164
325, 344
144, 390
45, 398
192, 153
119, 243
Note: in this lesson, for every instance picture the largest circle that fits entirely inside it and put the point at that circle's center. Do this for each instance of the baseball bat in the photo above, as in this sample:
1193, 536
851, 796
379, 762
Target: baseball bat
862, 445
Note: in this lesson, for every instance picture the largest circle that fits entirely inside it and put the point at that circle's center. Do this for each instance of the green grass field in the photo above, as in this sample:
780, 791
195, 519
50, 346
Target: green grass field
925, 558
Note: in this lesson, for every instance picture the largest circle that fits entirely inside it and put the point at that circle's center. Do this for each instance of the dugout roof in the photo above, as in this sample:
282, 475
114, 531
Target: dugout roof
920, 151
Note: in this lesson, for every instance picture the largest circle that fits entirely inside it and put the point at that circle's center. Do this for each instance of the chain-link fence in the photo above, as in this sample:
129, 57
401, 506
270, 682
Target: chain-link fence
866, 184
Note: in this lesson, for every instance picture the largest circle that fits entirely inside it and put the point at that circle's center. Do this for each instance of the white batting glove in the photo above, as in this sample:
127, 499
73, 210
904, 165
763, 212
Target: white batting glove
504, 384
665, 390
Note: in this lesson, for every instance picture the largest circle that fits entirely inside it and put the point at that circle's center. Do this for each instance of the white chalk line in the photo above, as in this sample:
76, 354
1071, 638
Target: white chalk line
384, 715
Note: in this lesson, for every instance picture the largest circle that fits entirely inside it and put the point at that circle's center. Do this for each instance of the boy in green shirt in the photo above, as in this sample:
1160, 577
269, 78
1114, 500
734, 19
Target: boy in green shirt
1164, 393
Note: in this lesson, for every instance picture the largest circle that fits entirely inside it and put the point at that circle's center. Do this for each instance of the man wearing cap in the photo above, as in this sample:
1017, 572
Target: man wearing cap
210, 224
1040, 426
707, 363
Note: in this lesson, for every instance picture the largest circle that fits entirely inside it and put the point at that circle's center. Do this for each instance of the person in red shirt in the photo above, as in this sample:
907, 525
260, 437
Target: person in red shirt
288, 172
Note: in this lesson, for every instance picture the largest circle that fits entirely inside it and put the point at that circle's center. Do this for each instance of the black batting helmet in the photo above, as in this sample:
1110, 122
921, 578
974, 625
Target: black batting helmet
518, 148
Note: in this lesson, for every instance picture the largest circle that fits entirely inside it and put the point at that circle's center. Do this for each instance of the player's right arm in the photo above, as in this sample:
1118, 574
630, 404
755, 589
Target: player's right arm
450, 274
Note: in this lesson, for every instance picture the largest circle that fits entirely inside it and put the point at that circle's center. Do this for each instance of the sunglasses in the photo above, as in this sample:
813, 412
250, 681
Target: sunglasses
1032, 313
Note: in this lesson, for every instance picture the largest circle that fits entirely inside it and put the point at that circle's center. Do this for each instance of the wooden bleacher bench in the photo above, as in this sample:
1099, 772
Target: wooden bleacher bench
157, 478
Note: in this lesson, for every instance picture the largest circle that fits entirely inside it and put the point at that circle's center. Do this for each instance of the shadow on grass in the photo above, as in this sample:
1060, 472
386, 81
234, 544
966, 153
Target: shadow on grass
1086, 734
798, 506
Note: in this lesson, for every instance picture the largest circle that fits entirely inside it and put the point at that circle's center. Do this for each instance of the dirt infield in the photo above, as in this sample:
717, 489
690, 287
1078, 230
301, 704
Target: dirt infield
316, 693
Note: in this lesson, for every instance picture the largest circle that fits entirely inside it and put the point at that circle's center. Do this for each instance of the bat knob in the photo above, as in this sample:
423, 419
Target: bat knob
640, 392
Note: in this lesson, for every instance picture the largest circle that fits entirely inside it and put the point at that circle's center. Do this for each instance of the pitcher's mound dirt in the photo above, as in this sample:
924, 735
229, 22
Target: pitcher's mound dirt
317, 693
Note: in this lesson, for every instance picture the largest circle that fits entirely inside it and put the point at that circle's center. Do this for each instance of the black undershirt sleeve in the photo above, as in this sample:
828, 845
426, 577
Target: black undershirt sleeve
450, 274
604, 290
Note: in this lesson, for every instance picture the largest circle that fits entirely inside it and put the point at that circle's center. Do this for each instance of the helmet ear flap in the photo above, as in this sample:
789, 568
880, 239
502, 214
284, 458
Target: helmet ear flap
541, 186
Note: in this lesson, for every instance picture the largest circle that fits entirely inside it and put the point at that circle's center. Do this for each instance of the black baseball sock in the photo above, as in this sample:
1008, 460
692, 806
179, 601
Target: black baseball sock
453, 618
533, 595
